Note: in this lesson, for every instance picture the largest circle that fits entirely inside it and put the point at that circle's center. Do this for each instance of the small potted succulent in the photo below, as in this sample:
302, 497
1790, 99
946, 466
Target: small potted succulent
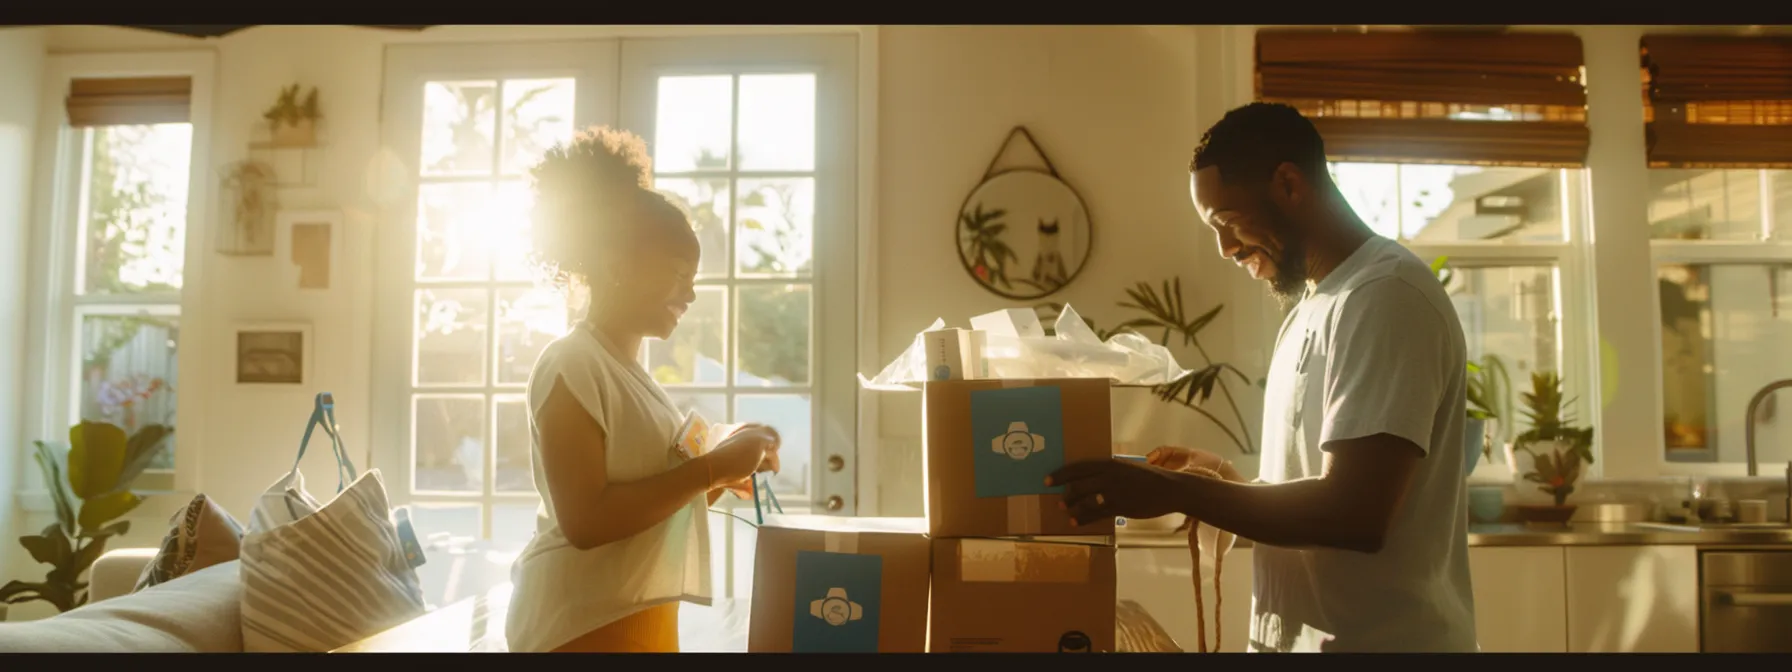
293, 122
1555, 449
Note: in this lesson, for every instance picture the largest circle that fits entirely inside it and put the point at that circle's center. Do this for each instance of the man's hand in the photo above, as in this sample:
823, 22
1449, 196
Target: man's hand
1108, 488
1187, 459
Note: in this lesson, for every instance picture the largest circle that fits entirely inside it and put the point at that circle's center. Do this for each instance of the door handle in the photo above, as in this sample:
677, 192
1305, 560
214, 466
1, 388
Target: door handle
1756, 599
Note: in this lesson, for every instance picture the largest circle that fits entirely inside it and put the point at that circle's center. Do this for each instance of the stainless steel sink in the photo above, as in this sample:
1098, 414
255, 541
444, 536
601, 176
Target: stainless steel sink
1687, 527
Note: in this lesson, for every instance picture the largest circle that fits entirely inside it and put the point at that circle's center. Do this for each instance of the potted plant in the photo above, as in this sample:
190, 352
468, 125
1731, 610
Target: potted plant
294, 122
1556, 449
1489, 402
98, 470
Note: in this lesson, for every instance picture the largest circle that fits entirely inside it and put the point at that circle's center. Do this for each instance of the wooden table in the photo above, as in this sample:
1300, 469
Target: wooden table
476, 625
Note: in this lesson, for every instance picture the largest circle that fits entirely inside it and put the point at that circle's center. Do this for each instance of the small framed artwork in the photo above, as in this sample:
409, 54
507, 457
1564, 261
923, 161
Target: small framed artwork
308, 248
273, 354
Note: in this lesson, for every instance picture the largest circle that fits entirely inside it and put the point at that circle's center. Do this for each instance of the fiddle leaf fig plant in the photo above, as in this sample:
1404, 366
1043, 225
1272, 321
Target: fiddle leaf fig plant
89, 485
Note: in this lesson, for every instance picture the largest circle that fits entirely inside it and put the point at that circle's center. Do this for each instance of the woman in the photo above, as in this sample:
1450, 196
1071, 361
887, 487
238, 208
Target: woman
622, 535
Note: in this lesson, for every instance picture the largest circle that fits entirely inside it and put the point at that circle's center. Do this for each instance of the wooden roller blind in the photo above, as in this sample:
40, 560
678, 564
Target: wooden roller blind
1718, 101
1511, 99
129, 101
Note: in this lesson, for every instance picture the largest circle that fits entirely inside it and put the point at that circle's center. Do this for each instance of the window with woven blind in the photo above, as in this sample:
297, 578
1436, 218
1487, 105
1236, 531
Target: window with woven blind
1718, 101
1468, 147
1416, 96
127, 101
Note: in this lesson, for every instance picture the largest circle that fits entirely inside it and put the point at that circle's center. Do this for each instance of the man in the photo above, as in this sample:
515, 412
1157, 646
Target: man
1358, 511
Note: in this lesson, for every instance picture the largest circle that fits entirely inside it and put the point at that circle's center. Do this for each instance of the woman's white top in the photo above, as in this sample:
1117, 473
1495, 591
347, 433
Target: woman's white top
562, 592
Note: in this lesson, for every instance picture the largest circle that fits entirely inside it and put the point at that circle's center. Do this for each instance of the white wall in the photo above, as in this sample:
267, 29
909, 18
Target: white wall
21, 75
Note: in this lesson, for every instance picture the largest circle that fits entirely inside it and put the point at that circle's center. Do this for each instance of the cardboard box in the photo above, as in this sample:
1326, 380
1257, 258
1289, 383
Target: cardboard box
997, 595
841, 585
989, 445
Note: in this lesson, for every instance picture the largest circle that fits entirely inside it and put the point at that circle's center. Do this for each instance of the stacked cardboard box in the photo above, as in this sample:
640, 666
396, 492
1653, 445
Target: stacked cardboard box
1007, 570
1010, 571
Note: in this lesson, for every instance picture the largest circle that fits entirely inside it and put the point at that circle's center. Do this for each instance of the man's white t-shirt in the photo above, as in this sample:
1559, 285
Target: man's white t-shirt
1375, 348
562, 592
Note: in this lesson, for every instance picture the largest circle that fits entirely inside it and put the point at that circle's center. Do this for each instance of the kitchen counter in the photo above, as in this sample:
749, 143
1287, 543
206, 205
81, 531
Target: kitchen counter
1574, 534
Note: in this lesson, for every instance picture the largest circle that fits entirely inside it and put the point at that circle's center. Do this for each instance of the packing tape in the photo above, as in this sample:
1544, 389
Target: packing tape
1023, 515
1004, 561
840, 542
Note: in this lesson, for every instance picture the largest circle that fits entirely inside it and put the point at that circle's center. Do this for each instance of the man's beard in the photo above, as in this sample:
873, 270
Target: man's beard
1290, 281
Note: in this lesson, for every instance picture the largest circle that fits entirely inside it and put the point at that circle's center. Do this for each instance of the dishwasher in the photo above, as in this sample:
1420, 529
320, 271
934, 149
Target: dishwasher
1745, 601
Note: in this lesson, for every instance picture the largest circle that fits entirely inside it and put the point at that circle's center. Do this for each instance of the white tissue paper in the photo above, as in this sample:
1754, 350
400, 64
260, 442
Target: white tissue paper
1015, 346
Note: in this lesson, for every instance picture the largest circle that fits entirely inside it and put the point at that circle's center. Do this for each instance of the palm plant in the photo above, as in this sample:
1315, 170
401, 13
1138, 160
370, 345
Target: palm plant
1162, 311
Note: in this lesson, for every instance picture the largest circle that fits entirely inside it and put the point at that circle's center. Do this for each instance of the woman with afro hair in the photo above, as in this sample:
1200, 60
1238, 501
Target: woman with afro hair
622, 534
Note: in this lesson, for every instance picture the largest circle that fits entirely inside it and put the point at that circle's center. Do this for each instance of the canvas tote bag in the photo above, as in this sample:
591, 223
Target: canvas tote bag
317, 577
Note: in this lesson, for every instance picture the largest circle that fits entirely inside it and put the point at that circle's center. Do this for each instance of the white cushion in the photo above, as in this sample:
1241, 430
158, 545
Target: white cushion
316, 578
196, 613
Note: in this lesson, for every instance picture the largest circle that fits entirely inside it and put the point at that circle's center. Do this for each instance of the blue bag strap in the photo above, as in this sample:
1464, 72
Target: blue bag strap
323, 413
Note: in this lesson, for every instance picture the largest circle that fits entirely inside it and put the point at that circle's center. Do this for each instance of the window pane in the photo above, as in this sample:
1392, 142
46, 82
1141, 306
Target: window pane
693, 123
1705, 204
1509, 313
1724, 330
128, 373
450, 444
789, 414
451, 222
777, 227
528, 319
512, 526
442, 522
1373, 191
508, 230
537, 115
135, 231
707, 202
713, 407
458, 121
1440, 204
774, 336
1462, 203
694, 353
777, 122
450, 336
515, 470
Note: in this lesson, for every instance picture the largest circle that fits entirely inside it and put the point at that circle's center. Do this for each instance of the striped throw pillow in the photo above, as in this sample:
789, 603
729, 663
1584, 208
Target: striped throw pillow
319, 577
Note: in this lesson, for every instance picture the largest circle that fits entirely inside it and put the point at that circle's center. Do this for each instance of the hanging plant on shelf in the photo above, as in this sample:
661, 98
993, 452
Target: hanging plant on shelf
294, 122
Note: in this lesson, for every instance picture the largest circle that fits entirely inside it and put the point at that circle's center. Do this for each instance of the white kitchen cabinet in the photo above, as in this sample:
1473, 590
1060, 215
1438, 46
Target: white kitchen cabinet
1161, 581
1633, 599
1518, 599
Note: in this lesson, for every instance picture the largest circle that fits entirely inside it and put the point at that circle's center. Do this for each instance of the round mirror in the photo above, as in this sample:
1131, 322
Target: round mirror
1024, 234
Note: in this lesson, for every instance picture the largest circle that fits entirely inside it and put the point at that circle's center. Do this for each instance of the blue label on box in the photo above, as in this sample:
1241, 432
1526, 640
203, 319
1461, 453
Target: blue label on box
837, 600
1017, 436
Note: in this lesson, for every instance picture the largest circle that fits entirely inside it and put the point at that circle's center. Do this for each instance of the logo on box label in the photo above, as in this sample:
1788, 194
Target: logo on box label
1073, 642
1019, 438
836, 602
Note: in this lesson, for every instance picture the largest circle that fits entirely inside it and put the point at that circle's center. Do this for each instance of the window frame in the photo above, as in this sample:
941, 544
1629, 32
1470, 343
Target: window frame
1575, 320
408, 66
834, 339
54, 307
1772, 246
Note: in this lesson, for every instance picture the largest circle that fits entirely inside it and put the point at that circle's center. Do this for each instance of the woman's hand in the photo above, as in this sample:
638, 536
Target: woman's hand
748, 451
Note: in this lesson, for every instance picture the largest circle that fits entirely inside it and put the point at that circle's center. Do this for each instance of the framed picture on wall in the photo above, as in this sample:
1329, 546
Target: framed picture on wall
273, 354
308, 248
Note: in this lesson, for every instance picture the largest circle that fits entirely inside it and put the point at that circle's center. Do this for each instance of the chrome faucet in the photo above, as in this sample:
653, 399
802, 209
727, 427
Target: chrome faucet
1748, 425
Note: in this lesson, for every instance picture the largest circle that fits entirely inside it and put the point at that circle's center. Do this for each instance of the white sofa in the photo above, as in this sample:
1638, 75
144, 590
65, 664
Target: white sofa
197, 613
